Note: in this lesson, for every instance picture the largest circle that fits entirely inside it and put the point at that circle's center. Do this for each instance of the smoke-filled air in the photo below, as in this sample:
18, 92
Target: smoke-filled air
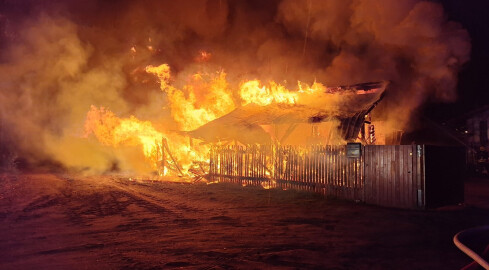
96, 86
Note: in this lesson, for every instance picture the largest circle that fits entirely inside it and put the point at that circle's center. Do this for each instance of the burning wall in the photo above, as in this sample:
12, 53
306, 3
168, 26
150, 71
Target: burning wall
60, 58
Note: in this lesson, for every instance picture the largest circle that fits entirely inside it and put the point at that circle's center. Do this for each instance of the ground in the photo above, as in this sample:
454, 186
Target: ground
58, 221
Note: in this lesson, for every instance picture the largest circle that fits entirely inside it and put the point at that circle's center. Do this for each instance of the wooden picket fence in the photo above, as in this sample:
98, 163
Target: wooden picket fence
402, 176
322, 169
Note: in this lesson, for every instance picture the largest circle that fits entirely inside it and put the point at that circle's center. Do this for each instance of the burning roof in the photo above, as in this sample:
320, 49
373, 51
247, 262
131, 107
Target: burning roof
346, 104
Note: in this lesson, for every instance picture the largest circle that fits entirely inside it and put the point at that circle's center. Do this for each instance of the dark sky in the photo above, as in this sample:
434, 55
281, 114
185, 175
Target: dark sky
473, 87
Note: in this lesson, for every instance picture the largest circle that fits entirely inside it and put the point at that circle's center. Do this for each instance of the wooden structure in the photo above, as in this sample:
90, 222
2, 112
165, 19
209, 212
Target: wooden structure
341, 109
385, 175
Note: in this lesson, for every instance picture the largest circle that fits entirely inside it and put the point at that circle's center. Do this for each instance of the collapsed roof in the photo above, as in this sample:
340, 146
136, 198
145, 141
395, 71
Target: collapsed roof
346, 104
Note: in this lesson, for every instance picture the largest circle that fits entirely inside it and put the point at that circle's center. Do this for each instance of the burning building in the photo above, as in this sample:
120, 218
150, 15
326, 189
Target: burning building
144, 88
335, 115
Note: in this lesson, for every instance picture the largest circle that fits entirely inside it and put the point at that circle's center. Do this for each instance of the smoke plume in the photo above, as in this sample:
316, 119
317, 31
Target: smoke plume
59, 58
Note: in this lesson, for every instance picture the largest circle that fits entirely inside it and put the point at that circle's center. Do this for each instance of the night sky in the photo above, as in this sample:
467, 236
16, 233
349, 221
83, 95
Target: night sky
473, 86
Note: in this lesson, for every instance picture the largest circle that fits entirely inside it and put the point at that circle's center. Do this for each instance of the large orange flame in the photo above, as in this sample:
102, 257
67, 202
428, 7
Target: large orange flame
204, 98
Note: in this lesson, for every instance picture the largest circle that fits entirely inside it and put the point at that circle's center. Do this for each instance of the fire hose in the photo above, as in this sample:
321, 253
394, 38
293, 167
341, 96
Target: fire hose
467, 235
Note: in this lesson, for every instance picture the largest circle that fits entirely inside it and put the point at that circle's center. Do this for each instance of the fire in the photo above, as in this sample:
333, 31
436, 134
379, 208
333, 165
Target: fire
159, 148
253, 92
203, 56
114, 131
204, 97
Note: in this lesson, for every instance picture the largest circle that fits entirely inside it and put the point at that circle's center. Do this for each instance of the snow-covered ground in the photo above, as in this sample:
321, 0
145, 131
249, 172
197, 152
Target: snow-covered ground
50, 221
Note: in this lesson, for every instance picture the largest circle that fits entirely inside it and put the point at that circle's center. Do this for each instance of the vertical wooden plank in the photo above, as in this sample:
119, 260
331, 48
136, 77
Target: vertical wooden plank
255, 163
275, 159
290, 164
388, 163
400, 175
252, 161
344, 169
318, 167
327, 157
301, 168
408, 173
385, 171
404, 175
408, 179
260, 162
397, 175
333, 170
304, 167
326, 167
339, 171
321, 166
374, 178
420, 175
220, 162
315, 167
336, 171
388, 181
232, 154
381, 175
235, 157
318, 170
231, 161
394, 167
225, 159
365, 177
295, 168
238, 162
241, 173
286, 164
412, 179
378, 191
368, 180
247, 161
391, 166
